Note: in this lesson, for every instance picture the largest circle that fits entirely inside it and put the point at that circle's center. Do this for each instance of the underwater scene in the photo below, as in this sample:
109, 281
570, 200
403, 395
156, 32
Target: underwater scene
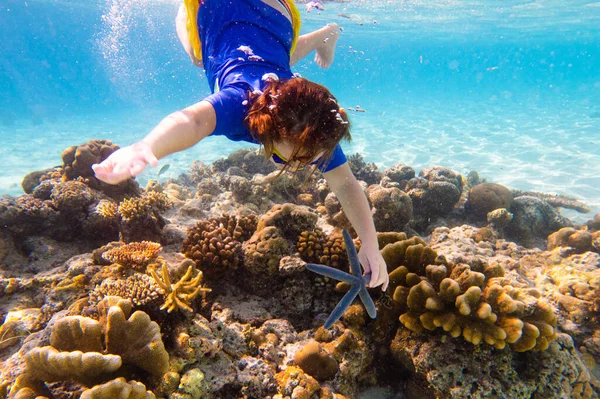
151, 246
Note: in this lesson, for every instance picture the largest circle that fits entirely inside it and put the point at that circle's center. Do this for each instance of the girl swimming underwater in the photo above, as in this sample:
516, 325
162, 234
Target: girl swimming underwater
247, 48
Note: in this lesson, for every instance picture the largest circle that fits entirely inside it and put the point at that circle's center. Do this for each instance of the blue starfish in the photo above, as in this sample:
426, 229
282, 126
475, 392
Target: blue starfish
356, 279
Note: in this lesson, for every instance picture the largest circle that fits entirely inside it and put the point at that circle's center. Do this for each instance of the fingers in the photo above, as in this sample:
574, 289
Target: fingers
374, 277
150, 158
378, 269
136, 168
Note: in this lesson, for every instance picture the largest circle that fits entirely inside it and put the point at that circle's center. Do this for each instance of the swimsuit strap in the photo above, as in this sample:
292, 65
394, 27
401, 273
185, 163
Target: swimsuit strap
296, 22
191, 8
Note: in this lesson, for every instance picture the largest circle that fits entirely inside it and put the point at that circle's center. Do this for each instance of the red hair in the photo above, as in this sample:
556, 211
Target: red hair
301, 112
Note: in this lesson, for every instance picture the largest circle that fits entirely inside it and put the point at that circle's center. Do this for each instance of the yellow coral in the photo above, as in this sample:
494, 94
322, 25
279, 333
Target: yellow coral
181, 294
480, 305
107, 209
136, 255
140, 207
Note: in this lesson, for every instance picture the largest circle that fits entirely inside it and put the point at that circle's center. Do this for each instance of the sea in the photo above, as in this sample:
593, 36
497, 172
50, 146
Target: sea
507, 88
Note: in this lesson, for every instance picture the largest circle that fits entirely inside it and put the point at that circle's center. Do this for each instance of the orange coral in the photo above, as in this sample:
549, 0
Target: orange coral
135, 255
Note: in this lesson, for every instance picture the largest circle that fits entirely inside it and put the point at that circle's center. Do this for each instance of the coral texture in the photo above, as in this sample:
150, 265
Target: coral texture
135, 255
216, 244
478, 304
91, 352
179, 295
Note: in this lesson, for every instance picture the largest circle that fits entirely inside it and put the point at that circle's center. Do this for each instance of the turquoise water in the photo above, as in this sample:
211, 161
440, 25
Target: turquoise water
510, 89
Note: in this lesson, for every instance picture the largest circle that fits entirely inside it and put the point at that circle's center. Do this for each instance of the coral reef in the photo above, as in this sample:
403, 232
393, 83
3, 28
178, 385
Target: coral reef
556, 200
179, 295
477, 303
315, 247
216, 244
90, 353
392, 208
260, 332
533, 220
135, 255
367, 172
434, 193
139, 288
141, 217
486, 197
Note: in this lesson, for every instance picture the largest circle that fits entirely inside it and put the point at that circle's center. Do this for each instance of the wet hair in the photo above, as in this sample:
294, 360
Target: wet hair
301, 112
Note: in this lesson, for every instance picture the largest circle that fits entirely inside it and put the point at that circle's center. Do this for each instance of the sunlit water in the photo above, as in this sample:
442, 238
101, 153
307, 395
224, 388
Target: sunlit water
510, 89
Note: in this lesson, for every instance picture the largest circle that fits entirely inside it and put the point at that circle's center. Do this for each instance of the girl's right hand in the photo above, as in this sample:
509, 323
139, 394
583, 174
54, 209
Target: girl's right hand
124, 163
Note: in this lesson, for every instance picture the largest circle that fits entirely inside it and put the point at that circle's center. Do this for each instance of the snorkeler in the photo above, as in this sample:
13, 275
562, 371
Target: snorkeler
247, 48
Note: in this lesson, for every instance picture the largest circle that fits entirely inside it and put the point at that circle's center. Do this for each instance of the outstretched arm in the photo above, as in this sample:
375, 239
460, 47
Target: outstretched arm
176, 132
356, 207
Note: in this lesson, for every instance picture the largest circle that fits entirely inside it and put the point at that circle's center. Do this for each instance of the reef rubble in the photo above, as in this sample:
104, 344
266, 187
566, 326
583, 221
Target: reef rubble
198, 287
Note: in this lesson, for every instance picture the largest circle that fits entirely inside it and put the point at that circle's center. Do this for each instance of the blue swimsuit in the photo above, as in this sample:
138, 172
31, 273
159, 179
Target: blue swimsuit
242, 41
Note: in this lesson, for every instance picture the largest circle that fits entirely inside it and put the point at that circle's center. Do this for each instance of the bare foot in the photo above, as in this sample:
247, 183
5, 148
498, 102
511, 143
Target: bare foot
326, 49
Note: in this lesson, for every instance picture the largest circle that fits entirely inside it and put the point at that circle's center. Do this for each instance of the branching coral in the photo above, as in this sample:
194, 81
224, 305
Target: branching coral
135, 255
179, 295
481, 305
140, 217
140, 207
216, 244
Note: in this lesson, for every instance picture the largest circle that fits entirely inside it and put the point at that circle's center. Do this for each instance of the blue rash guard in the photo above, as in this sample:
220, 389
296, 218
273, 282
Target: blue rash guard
242, 40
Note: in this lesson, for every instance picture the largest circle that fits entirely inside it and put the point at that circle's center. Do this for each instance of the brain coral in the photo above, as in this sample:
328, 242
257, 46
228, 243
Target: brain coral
481, 305
216, 244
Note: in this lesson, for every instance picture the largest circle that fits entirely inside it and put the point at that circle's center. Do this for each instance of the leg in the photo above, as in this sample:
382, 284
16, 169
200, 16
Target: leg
322, 40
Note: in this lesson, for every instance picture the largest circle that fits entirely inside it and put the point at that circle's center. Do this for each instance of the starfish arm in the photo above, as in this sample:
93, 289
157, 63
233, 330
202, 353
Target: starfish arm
352, 255
332, 273
342, 305
368, 302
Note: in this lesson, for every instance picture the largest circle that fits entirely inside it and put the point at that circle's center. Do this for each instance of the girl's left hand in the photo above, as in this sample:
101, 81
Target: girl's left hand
372, 261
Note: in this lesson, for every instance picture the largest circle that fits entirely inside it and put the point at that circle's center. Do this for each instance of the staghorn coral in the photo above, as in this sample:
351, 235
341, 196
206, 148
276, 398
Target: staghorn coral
481, 305
141, 289
556, 200
182, 293
216, 244
135, 255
